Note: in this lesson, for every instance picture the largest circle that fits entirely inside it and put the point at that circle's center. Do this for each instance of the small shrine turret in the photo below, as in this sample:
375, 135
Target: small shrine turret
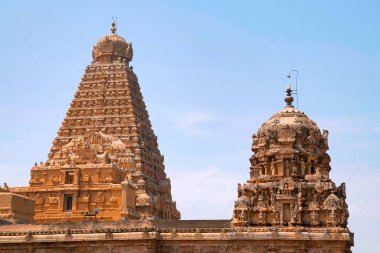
289, 180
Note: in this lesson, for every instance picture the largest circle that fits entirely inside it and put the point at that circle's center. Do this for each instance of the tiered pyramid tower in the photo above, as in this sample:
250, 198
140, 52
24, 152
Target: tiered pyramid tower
105, 158
289, 181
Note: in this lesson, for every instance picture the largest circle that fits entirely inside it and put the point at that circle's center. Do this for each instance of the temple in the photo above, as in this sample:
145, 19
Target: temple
104, 187
289, 181
105, 159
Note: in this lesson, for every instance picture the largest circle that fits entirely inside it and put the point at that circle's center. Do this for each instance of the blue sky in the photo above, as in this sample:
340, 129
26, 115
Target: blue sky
211, 73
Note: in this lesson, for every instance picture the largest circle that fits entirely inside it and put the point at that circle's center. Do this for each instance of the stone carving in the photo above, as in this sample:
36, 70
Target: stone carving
100, 197
39, 200
289, 181
332, 202
243, 215
261, 203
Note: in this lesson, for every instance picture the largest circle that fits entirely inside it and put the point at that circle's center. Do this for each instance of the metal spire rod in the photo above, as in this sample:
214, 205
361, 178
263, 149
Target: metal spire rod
296, 90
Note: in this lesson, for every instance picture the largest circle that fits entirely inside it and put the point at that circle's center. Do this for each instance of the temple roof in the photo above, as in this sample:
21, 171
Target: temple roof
289, 117
112, 47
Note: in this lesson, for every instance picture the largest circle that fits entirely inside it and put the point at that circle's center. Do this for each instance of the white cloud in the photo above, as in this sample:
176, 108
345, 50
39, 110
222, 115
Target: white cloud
206, 193
193, 123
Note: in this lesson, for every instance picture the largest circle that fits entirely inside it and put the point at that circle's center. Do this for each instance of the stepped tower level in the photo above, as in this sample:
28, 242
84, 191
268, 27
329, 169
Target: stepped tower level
105, 157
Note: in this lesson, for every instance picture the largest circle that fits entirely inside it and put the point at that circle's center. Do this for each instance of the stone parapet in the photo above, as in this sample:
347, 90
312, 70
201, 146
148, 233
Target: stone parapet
148, 237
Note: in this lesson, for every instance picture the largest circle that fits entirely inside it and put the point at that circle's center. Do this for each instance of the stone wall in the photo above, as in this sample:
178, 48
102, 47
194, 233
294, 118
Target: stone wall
147, 237
15, 207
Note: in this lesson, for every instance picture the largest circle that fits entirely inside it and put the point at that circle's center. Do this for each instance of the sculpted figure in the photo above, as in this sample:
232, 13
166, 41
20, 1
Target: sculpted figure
303, 167
255, 141
86, 178
39, 199
130, 51
299, 200
52, 199
56, 179
314, 218
272, 197
325, 138
243, 215
261, 217
342, 190
333, 217
235, 216
294, 169
85, 197
344, 217
286, 189
273, 167
318, 173
276, 215
239, 190
99, 198
295, 212
103, 158
243, 202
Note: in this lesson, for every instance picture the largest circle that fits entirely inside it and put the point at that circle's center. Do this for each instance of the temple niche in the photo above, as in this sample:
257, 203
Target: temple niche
289, 182
105, 158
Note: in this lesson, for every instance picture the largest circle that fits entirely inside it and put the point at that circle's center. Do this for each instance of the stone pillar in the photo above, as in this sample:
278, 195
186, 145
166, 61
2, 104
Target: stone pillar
76, 177
75, 200
124, 208
45, 178
280, 168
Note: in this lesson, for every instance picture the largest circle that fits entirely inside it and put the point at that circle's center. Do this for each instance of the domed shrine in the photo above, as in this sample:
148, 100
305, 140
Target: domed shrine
289, 181
105, 159
112, 48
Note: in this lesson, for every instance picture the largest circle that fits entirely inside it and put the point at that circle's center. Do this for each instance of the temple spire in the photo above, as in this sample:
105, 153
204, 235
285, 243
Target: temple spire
289, 99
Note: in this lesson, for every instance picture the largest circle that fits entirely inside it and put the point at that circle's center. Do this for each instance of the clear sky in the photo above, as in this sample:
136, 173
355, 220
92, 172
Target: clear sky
211, 72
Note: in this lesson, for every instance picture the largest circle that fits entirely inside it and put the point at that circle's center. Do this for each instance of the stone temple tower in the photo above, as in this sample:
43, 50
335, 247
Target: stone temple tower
105, 158
289, 187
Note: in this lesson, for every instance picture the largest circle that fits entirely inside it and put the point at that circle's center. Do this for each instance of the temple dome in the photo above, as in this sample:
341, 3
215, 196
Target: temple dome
290, 134
112, 48
289, 120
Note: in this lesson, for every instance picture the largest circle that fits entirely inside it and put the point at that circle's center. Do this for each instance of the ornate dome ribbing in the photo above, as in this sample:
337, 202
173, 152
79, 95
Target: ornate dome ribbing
112, 48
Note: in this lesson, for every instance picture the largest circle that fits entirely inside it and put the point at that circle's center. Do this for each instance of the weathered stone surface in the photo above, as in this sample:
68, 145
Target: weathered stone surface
16, 208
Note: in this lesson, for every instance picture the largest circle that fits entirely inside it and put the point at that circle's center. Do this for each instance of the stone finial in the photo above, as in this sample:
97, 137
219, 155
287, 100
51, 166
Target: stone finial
289, 99
113, 28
